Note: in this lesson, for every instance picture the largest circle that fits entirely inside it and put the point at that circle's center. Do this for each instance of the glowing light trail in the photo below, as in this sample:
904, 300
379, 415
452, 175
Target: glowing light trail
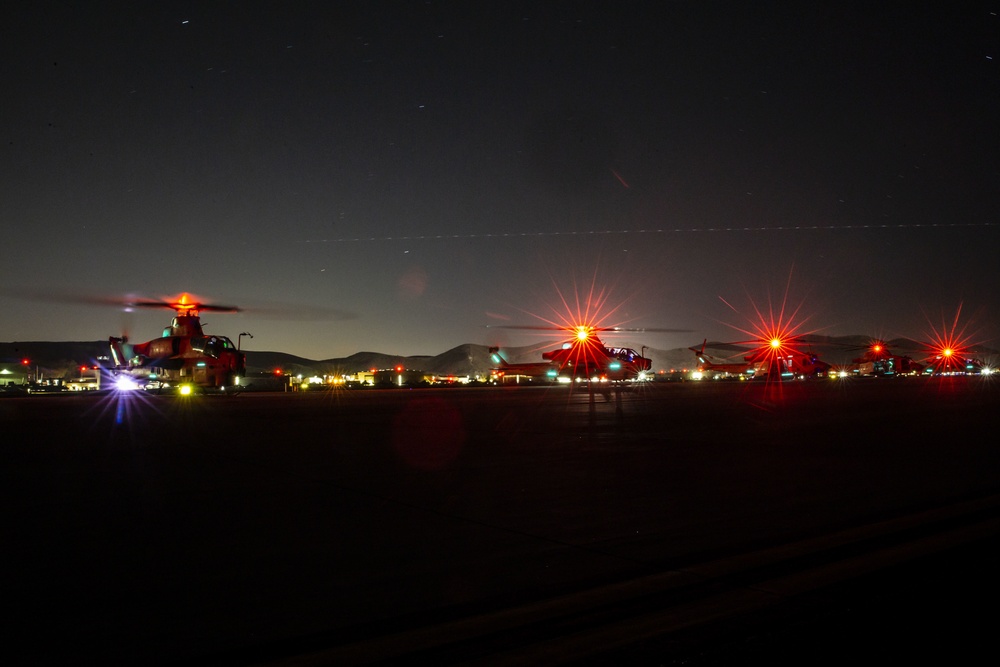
622, 232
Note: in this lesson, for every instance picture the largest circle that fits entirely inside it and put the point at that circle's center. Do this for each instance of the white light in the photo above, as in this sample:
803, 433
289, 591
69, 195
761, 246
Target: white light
125, 383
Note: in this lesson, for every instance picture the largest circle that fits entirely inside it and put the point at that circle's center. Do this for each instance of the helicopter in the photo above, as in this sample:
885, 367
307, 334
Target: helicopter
949, 350
878, 361
739, 369
184, 357
775, 357
528, 371
942, 357
583, 357
953, 360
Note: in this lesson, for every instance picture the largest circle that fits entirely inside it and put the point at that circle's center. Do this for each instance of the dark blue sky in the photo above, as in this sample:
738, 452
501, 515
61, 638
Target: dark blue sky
426, 169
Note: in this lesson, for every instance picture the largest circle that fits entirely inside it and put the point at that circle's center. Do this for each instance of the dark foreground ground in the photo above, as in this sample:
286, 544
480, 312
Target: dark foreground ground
697, 524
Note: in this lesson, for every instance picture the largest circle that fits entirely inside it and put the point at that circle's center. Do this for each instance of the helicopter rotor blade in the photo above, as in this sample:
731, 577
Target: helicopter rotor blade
62, 296
643, 330
183, 304
570, 328
528, 327
216, 308
148, 304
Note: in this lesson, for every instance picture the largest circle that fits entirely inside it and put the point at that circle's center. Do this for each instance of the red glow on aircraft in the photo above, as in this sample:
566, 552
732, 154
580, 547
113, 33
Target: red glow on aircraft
582, 356
184, 355
950, 348
777, 346
877, 360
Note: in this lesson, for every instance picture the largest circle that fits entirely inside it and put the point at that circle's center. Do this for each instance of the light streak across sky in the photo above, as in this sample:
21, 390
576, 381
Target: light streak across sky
674, 230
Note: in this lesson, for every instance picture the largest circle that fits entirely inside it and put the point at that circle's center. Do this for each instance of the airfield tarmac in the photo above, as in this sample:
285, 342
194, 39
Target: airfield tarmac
678, 523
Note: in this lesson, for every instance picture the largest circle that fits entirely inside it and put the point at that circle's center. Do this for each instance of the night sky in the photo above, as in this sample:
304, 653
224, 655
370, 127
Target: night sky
401, 176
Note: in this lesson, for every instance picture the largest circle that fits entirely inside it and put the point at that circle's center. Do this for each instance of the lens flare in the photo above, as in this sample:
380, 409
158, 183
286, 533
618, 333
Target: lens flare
776, 339
949, 349
126, 383
577, 321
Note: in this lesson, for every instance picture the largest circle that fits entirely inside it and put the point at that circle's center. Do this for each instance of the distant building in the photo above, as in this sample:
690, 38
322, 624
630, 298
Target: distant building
398, 377
89, 379
13, 374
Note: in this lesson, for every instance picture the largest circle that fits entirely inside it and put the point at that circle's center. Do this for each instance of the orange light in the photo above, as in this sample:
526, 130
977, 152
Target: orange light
184, 303
876, 348
947, 352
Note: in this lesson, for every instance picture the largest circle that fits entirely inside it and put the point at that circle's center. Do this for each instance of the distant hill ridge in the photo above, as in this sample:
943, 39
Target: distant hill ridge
466, 359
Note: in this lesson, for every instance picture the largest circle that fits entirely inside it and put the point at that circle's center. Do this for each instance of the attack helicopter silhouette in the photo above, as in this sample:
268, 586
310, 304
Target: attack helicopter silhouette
878, 361
183, 356
583, 357
775, 357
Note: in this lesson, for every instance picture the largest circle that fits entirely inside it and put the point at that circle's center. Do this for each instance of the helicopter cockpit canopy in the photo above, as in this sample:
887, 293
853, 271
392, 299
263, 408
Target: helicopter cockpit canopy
212, 346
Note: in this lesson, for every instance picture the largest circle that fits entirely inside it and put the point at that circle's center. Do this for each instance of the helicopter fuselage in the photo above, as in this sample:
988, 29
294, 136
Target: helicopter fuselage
183, 355
591, 359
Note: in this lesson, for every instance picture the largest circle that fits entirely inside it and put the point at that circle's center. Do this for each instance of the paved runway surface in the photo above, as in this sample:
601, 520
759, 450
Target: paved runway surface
679, 523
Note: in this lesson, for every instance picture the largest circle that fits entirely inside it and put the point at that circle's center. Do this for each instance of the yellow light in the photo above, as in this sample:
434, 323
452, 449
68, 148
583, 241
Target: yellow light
185, 390
947, 351
775, 343
582, 333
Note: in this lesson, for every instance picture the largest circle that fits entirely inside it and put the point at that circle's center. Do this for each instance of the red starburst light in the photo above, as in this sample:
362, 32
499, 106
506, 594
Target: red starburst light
775, 334
949, 348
